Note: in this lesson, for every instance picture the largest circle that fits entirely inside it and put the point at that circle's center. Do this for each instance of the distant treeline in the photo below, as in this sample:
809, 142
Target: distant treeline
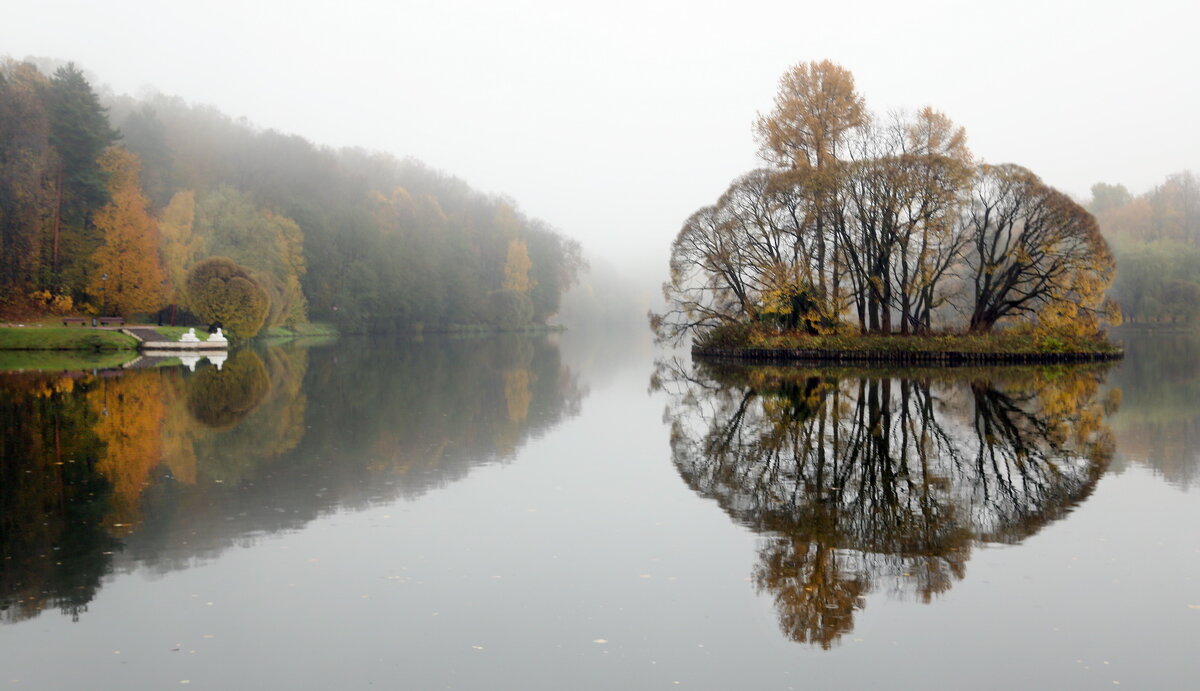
106, 205
1156, 239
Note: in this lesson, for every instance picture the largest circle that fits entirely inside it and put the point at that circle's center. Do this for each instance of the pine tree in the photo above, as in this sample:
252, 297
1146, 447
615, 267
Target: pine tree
79, 132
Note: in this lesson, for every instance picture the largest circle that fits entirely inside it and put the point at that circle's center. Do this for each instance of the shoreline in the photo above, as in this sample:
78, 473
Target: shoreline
944, 358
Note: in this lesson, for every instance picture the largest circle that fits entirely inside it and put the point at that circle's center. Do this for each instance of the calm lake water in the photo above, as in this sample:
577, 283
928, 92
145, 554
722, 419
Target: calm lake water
558, 512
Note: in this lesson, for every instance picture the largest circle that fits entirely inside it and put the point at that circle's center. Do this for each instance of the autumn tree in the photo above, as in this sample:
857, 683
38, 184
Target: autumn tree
516, 268
816, 109
709, 285
270, 245
901, 201
128, 275
875, 218
1031, 248
28, 164
181, 247
221, 291
763, 252
511, 306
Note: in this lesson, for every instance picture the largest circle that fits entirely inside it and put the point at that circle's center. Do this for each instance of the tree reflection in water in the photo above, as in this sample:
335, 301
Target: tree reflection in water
54, 548
162, 468
861, 480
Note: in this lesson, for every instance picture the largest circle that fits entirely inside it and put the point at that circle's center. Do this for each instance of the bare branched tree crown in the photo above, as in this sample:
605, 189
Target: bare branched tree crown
885, 224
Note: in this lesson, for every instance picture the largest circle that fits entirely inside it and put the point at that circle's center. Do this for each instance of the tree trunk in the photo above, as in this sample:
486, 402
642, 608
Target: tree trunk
57, 220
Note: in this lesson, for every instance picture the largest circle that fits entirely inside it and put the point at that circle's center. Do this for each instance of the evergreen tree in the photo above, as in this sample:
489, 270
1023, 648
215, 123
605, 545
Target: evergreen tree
79, 132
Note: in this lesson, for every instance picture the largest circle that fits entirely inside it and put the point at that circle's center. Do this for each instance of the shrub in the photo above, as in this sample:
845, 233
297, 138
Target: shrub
733, 335
223, 292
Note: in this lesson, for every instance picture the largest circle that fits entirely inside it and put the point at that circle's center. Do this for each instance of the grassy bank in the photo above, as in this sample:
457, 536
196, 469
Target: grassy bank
748, 342
64, 338
308, 330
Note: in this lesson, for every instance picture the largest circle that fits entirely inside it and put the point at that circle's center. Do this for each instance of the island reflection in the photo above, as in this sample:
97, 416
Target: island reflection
867, 480
163, 467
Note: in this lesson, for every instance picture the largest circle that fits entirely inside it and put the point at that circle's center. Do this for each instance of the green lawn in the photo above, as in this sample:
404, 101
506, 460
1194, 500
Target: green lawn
64, 338
172, 333
299, 330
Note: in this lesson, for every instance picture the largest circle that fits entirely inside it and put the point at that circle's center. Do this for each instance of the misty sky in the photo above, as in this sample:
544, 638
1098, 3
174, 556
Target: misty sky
615, 120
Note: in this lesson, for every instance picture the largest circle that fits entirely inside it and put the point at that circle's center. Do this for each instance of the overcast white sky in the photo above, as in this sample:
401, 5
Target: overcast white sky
615, 120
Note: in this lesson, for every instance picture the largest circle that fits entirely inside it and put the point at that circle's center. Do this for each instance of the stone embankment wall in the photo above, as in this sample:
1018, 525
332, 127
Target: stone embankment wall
777, 355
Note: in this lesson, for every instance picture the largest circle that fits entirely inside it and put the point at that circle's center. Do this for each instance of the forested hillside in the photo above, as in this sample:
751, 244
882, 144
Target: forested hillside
107, 205
1156, 239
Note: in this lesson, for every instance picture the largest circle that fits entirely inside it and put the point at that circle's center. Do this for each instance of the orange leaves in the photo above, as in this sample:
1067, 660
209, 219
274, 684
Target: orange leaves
129, 413
128, 277
815, 106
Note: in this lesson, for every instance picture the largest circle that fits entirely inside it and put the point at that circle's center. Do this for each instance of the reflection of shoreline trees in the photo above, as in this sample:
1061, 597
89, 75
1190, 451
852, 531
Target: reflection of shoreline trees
164, 467
54, 547
221, 398
861, 480
379, 421
1159, 422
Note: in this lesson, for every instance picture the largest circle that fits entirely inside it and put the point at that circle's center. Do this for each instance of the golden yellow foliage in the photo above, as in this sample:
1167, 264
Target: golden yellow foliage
181, 247
516, 268
517, 395
129, 411
814, 109
129, 276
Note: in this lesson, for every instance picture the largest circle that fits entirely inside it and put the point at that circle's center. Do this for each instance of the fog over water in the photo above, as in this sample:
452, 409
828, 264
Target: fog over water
615, 121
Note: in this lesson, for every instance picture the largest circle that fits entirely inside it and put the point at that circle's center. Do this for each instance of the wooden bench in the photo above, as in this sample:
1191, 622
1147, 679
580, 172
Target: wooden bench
68, 321
109, 321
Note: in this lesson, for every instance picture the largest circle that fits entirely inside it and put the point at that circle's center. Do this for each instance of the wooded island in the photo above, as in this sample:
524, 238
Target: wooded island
883, 234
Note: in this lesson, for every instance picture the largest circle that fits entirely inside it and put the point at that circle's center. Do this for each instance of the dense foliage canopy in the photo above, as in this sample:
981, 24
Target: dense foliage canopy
224, 293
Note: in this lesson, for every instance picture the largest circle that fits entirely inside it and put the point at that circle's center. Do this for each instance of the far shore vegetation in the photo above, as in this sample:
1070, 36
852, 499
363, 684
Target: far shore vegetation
868, 232
122, 206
